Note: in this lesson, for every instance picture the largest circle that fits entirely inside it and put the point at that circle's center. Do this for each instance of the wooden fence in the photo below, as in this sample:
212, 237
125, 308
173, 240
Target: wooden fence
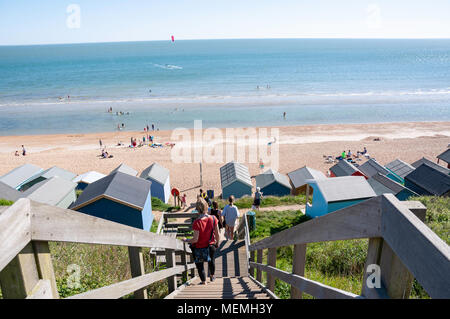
26, 269
400, 244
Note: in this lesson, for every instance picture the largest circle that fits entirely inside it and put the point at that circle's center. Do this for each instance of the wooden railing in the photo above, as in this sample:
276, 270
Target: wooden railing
400, 244
26, 269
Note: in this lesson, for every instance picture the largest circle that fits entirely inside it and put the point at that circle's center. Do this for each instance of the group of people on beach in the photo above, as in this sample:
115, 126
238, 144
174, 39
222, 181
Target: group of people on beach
24, 152
350, 155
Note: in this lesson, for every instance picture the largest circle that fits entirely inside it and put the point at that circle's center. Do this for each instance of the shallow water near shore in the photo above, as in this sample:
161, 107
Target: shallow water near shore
50, 89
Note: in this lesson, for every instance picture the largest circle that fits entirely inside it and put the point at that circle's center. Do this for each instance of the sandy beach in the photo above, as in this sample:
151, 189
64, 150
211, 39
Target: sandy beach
298, 146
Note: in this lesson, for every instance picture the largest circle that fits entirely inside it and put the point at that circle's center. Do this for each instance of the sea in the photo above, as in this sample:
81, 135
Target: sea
47, 89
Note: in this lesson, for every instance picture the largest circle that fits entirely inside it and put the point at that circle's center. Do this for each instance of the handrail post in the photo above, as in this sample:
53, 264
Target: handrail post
252, 259
298, 267
184, 262
20, 276
259, 258
45, 265
170, 262
271, 261
137, 269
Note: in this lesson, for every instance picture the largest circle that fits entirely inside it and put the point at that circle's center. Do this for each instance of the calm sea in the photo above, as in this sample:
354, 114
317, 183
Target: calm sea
225, 83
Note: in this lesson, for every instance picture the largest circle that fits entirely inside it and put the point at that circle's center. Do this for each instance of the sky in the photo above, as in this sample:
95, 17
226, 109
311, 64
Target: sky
80, 21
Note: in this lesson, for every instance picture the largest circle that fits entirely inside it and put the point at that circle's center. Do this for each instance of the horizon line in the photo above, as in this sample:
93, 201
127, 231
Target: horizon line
212, 39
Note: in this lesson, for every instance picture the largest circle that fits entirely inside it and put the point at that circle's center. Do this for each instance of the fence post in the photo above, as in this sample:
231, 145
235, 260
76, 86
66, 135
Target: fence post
298, 267
44, 264
184, 262
137, 269
170, 262
20, 276
259, 257
271, 261
252, 259
191, 260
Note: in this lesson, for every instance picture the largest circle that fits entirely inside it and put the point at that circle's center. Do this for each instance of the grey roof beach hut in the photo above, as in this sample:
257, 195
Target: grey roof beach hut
426, 180
20, 175
120, 198
9, 193
273, 183
55, 191
299, 177
432, 164
160, 178
47, 174
332, 194
235, 180
87, 178
372, 167
382, 184
344, 168
400, 168
445, 156
125, 169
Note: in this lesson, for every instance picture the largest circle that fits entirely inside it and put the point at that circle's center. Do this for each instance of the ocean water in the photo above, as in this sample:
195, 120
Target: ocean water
226, 83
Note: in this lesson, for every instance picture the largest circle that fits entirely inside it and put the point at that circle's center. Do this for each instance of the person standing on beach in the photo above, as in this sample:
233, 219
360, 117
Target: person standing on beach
24, 152
100, 142
230, 214
153, 127
284, 115
258, 198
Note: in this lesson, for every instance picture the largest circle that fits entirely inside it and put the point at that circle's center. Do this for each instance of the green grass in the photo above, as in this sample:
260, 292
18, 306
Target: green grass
339, 264
160, 206
4, 202
268, 201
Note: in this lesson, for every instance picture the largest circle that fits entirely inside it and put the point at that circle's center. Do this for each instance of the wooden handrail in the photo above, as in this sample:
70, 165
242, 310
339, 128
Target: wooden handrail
26, 223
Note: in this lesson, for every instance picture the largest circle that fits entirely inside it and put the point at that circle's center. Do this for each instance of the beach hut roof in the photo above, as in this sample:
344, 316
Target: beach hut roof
372, 167
382, 184
343, 168
269, 177
344, 188
445, 156
400, 168
299, 176
9, 193
57, 171
432, 164
126, 189
20, 174
125, 169
88, 177
156, 172
234, 171
50, 191
430, 179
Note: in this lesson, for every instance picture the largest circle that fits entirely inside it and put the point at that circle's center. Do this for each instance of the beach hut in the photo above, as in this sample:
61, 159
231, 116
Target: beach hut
235, 180
372, 167
445, 156
160, 178
299, 177
55, 191
87, 178
426, 180
273, 183
432, 164
9, 193
20, 175
382, 184
47, 174
125, 169
331, 194
399, 167
345, 168
120, 198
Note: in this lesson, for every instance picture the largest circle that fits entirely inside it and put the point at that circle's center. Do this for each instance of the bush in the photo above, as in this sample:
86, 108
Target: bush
4, 202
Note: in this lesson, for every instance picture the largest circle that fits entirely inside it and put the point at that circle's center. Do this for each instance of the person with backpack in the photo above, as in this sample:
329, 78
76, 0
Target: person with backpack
205, 240
230, 214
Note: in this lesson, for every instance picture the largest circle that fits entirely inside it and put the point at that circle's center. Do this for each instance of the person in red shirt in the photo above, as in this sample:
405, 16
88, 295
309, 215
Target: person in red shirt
205, 240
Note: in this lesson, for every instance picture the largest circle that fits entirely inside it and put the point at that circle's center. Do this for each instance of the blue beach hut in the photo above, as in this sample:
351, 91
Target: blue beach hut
235, 180
20, 175
382, 184
120, 198
332, 194
47, 174
87, 178
160, 178
273, 183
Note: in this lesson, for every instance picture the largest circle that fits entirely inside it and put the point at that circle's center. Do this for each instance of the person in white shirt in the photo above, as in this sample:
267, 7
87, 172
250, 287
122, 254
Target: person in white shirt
230, 214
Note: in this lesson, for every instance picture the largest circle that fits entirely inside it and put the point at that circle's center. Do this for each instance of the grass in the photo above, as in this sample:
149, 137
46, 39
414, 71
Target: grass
339, 264
268, 201
160, 206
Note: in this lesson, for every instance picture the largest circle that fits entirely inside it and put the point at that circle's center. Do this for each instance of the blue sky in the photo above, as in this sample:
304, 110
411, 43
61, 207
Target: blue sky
45, 21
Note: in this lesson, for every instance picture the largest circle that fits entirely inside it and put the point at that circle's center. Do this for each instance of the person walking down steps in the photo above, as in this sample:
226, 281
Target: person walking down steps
205, 240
